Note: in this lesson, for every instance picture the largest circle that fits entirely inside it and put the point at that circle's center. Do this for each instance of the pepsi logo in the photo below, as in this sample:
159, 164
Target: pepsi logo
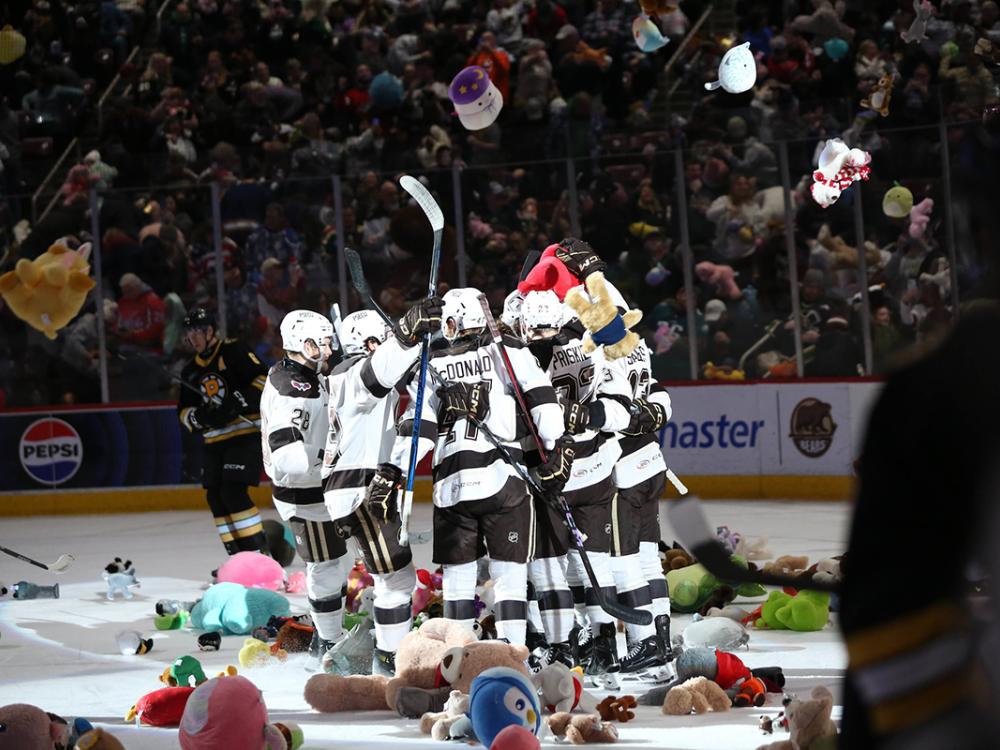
51, 451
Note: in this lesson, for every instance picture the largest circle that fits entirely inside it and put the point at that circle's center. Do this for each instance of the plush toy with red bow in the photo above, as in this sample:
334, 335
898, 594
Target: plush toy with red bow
839, 168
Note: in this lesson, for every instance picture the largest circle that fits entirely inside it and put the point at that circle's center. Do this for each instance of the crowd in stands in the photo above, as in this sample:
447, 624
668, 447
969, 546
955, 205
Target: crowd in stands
268, 99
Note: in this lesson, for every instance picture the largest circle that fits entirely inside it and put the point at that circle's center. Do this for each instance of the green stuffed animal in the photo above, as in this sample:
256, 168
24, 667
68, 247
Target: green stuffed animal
692, 588
804, 612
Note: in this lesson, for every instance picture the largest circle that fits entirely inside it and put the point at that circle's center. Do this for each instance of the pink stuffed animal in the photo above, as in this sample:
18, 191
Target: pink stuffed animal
919, 218
428, 584
357, 581
253, 570
27, 727
225, 713
723, 277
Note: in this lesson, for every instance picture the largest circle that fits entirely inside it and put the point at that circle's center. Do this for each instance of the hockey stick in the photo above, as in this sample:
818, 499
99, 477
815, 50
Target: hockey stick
611, 606
433, 213
63, 562
213, 399
688, 520
335, 319
529, 262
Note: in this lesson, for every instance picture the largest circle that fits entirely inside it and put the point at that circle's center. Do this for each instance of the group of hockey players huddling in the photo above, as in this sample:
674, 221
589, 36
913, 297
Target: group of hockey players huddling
337, 451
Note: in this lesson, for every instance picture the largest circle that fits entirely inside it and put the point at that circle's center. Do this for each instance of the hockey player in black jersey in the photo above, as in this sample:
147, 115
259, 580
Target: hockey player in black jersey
362, 420
294, 425
481, 507
230, 379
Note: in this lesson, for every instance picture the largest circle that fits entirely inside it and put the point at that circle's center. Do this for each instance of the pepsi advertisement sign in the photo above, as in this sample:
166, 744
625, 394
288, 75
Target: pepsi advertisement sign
51, 451
94, 447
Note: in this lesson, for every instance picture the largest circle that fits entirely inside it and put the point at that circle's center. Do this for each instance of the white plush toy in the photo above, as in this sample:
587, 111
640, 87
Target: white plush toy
839, 167
561, 689
918, 29
737, 71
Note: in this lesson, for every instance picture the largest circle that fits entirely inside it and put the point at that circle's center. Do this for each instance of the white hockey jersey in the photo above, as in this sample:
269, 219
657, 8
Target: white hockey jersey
588, 378
293, 428
362, 419
466, 465
641, 455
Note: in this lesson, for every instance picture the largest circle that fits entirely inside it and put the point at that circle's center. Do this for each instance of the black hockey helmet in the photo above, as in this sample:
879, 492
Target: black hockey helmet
199, 317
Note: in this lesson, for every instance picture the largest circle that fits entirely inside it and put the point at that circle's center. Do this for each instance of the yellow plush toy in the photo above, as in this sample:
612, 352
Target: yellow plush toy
256, 653
605, 326
48, 292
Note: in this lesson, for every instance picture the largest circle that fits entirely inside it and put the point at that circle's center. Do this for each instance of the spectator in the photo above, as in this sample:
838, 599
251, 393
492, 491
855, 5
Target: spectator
737, 217
279, 289
272, 239
140, 314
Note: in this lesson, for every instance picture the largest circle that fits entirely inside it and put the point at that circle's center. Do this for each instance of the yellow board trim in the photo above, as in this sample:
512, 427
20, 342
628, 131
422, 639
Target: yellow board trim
192, 497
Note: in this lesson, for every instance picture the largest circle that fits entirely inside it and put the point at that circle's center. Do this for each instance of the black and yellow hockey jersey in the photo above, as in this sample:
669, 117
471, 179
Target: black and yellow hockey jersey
229, 373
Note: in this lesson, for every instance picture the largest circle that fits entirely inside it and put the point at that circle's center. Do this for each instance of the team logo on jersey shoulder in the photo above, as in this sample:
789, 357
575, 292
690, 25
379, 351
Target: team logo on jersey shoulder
512, 537
300, 386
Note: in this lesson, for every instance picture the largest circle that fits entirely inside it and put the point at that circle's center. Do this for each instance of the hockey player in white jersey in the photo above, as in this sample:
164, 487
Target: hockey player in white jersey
293, 413
640, 476
595, 398
363, 407
481, 507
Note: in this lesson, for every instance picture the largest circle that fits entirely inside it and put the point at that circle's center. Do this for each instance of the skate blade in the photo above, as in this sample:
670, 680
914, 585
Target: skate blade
608, 681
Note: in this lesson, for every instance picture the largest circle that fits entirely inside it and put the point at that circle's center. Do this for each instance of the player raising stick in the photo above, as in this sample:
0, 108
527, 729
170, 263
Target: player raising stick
363, 408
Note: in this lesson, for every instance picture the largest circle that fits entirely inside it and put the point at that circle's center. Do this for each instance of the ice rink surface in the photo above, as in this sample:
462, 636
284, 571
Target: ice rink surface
62, 656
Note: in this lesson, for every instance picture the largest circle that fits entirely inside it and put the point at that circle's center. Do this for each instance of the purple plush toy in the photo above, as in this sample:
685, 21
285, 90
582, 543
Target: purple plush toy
477, 101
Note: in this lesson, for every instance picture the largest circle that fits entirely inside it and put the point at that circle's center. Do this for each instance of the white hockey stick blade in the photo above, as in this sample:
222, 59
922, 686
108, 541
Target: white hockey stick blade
690, 524
425, 200
61, 564
677, 483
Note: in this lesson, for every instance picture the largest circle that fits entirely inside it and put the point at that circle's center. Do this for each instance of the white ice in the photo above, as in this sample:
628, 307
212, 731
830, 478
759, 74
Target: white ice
62, 656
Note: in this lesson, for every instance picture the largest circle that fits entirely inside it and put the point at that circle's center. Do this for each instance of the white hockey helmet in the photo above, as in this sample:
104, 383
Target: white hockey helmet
360, 327
300, 326
511, 315
462, 310
542, 314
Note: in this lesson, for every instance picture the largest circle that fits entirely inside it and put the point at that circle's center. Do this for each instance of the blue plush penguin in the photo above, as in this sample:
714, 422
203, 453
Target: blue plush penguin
499, 697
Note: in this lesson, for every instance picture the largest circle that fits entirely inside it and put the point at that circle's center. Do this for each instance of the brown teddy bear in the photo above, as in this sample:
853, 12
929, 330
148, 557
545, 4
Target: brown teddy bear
699, 694
675, 559
439, 656
878, 98
809, 724
842, 256
613, 708
580, 729
788, 565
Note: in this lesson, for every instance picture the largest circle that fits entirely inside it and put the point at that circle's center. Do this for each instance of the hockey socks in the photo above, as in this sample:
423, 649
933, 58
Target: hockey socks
652, 570
555, 601
510, 583
393, 608
633, 591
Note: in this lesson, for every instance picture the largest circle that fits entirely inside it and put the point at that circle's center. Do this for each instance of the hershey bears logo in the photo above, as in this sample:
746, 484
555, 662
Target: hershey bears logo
212, 385
812, 427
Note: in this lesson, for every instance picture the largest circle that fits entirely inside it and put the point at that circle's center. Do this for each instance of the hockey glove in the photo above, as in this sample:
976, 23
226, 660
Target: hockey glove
380, 498
647, 417
460, 400
579, 417
423, 318
579, 258
554, 473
